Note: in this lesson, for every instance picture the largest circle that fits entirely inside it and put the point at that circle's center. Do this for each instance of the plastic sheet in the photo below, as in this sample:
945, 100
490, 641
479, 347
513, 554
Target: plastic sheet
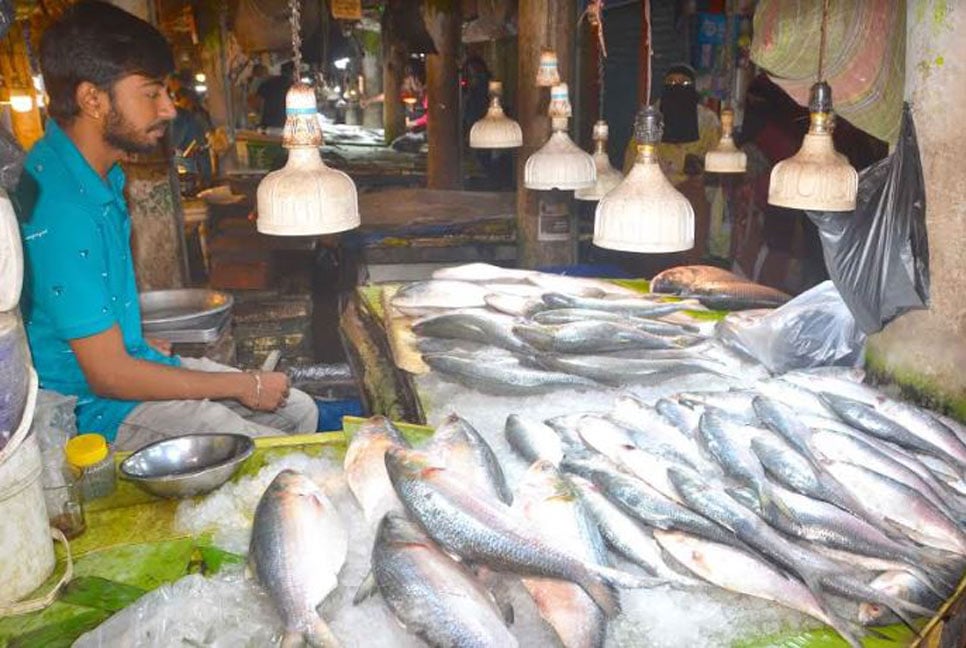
11, 156
54, 424
814, 329
14, 377
878, 256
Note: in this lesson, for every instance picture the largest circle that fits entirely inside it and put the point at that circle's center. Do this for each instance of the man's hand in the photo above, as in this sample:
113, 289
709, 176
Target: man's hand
266, 391
160, 345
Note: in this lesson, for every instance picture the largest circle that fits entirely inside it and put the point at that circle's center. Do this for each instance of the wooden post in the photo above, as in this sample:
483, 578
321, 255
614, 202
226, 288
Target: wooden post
541, 23
393, 61
443, 20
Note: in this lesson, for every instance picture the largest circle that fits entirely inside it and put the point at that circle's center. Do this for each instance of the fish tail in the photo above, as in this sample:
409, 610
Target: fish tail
603, 592
320, 635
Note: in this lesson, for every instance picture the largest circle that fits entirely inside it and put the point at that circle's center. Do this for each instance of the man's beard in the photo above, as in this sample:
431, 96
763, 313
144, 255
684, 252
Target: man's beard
121, 135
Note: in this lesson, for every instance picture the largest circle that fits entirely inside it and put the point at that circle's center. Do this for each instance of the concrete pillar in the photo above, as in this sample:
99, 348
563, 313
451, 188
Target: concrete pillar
372, 75
444, 22
546, 224
925, 351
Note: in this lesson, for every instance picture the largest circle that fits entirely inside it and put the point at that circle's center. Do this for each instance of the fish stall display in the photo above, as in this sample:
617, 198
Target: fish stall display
613, 477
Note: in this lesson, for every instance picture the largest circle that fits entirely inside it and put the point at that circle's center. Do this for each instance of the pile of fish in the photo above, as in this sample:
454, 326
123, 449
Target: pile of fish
806, 489
811, 490
504, 331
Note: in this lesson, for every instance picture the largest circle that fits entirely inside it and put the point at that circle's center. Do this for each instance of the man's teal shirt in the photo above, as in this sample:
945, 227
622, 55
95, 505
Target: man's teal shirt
78, 272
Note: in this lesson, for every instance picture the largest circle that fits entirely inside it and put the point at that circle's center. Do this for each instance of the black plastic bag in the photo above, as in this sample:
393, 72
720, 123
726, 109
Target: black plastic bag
878, 255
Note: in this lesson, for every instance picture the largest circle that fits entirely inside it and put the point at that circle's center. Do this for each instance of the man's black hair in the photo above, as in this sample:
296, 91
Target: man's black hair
99, 43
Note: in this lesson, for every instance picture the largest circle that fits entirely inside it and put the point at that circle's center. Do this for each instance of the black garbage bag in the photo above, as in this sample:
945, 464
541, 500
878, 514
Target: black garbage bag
11, 160
878, 255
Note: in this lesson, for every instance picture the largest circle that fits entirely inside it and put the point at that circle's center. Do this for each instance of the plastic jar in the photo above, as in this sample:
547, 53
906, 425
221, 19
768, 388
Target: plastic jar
92, 461
64, 507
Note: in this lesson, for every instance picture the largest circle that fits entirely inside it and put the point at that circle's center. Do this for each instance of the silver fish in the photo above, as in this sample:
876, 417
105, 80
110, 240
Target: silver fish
640, 306
821, 575
547, 501
365, 468
533, 440
921, 438
792, 470
461, 449
472, 325
825, 524
616, 443
651, 325
486, 532
737, 570
639, 500
424, 297
901, 506
625, 535
482, 273
590, 337
620, 370
580, 286
432, 595
639, 416
900, 584
566, 426
503, 376
730, 444
833, 445
683, 418
298, 547
515, 305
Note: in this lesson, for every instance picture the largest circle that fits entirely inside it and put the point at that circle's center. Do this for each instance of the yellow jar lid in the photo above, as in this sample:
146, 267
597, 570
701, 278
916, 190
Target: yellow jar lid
86, 450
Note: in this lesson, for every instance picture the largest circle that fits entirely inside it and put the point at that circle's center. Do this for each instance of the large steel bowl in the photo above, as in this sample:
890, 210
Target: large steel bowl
184, 308
187, 465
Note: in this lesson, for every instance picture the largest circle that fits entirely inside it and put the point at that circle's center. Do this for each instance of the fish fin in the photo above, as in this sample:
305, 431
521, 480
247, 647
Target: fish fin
499, 590
320, 635
770, 500
603, 592
366, 588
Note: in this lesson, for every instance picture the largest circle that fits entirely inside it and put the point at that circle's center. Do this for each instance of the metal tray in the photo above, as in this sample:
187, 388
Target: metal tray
187, 308
195, 336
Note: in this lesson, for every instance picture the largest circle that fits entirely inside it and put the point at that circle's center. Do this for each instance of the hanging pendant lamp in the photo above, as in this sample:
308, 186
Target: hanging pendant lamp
496, 130
645, 213
816, 178
547, 73
725, 157
607, 176
305, 197
559, 164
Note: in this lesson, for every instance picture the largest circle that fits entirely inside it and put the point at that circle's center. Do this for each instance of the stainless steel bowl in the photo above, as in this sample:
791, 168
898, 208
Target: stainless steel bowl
185, 308
187, 465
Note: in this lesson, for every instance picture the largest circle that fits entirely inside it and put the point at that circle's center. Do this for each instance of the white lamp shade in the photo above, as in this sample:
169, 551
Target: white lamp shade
607, 179
816, 178
644, 213
496, 130
559, 164
725, 158
305, 197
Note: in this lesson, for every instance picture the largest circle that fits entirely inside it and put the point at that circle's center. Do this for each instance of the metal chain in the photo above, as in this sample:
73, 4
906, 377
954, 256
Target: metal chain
295, 19
821, 47
600, 81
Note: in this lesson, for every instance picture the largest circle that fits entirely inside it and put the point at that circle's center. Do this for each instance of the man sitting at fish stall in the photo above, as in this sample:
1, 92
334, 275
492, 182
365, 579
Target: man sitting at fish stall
104, 71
